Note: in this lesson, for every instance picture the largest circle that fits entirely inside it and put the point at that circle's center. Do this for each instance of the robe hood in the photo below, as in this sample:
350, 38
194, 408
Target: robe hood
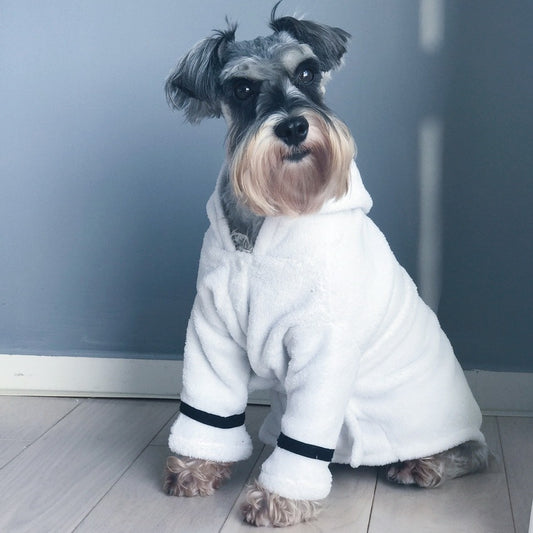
357, 197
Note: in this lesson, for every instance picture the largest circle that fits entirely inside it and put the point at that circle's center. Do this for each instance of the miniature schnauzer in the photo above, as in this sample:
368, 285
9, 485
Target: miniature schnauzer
289, 160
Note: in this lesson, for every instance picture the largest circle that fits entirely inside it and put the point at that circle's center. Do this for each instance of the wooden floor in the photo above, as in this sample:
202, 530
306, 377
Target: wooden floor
95, 466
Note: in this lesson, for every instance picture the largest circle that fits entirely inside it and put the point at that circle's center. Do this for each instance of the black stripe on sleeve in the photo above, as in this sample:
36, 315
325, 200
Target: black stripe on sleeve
223, 422
306, 450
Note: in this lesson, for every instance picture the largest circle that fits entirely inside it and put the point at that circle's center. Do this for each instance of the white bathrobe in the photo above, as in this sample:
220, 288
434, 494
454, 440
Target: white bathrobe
322, 314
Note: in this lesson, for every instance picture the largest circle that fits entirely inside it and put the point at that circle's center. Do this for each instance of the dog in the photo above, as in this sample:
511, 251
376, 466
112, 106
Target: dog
298, 292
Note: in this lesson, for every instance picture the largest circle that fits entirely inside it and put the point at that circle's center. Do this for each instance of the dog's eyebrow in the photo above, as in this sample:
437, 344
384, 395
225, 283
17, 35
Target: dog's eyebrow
294, 55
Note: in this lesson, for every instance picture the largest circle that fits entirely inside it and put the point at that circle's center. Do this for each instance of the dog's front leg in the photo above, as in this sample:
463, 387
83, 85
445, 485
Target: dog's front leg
288, 491
318, 385
186, 476
209, 433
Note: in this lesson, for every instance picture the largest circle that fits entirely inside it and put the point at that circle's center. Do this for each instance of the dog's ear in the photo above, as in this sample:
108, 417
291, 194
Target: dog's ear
328, 43
194, 84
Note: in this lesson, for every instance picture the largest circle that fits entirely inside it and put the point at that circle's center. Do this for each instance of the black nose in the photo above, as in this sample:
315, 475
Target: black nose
292, 131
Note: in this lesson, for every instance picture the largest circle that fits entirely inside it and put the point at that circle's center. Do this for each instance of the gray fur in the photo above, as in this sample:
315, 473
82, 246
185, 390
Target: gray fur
194, 84
243, 224
432, 471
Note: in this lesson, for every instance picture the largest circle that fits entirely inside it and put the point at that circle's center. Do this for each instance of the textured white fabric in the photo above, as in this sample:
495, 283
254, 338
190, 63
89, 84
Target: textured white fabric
321, 313
198, 440
295, 477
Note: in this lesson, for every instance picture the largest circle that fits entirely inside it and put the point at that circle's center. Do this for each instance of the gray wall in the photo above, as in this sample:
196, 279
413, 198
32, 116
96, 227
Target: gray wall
103, 188
487, 298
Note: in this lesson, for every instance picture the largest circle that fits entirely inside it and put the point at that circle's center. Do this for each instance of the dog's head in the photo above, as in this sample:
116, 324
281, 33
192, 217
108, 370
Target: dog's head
287, 152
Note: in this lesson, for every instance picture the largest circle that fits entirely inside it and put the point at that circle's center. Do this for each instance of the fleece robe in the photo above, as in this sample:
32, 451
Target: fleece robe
322, 314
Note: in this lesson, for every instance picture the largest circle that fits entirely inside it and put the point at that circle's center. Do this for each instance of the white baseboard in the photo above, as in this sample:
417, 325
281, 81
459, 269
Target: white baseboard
42, 375
505, 393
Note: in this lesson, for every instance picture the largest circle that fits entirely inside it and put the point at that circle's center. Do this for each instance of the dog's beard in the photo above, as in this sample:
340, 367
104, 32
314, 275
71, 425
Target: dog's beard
272, 178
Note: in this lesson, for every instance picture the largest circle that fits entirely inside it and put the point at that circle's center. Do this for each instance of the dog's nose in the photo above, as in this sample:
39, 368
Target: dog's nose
292, 131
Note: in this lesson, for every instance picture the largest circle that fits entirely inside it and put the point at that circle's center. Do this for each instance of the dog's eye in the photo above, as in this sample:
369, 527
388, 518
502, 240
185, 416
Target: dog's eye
306, 76
243, 90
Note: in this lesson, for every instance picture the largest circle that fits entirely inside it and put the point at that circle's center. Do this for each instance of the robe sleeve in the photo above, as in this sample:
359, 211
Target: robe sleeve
216, 373
320, 378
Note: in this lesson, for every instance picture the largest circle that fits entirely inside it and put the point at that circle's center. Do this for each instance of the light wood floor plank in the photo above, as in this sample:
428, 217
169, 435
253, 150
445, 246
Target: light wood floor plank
63, 459
346, 509
54, 483
161, 439
474, 504
24, 419
517, 443
144, 507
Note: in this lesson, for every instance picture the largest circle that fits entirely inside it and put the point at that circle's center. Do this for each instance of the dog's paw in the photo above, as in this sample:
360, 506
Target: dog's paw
264, 508
426, 472
185, 476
